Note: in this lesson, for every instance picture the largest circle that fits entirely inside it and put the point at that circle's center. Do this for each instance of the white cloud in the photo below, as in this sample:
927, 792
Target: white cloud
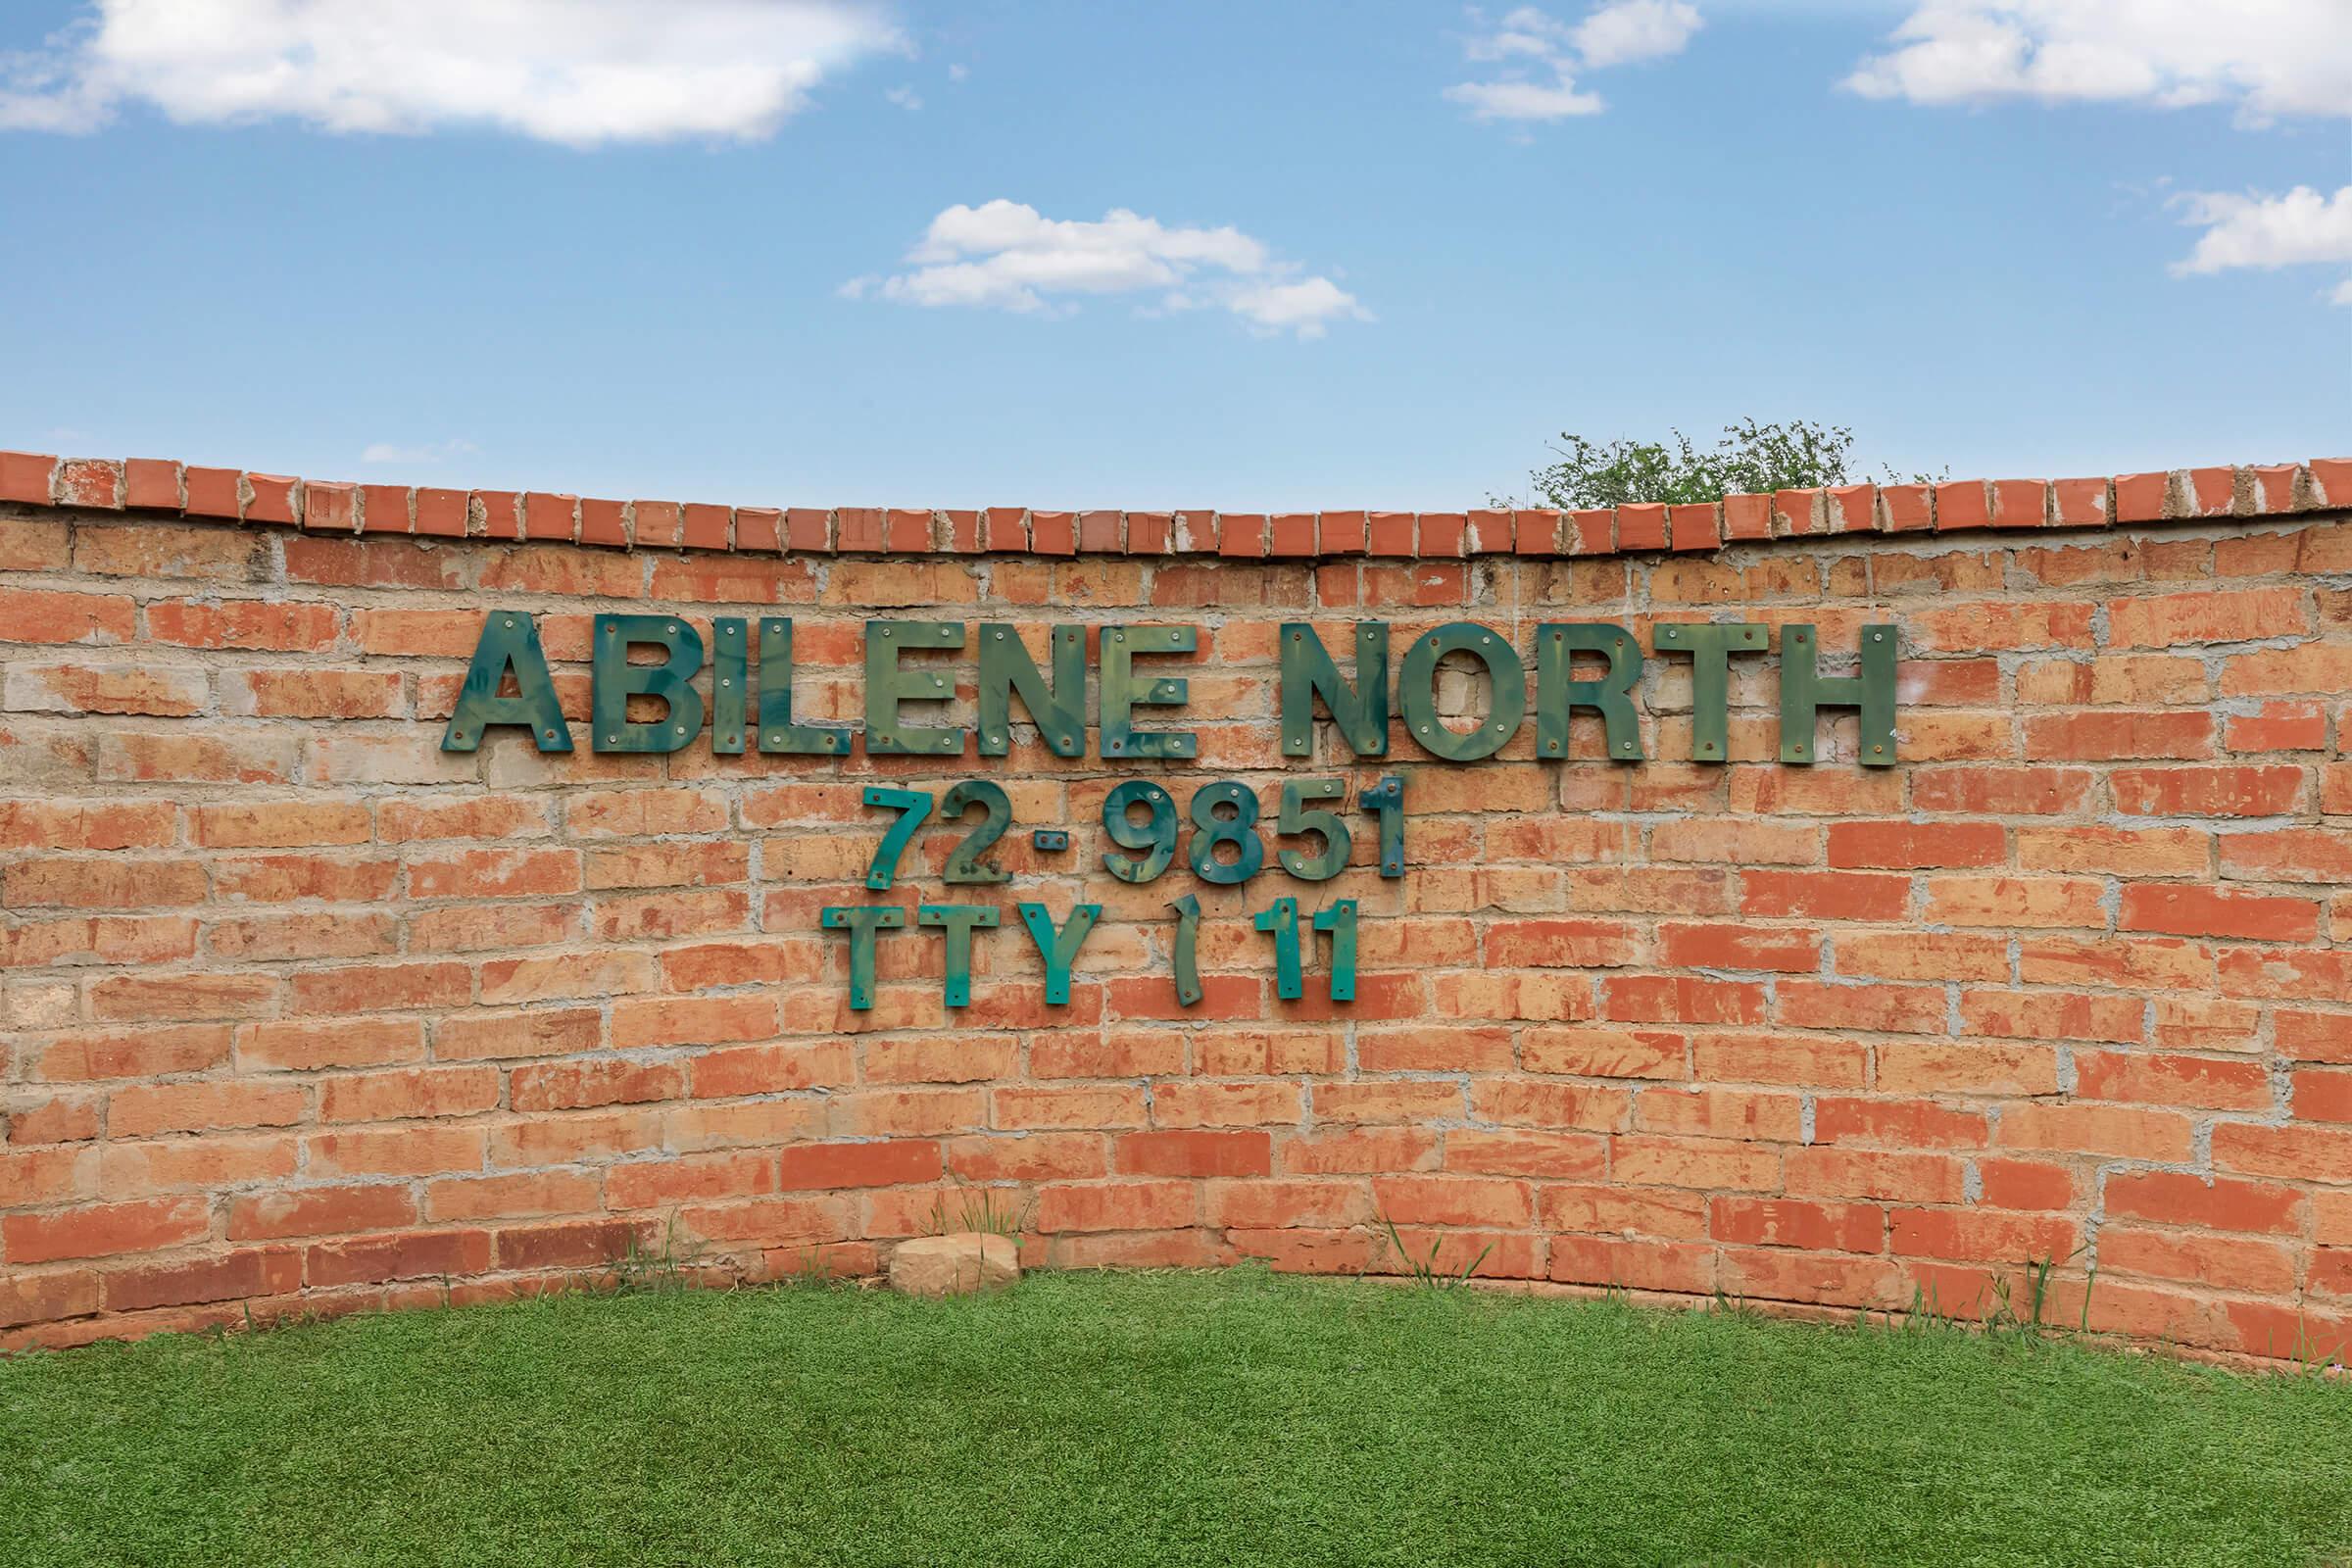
381, 451
1538, 56
1007, 256
1525, 31
2301, 229
2268, 58
1635, 30
576, 72
1302, 307
906, 98
1525, 100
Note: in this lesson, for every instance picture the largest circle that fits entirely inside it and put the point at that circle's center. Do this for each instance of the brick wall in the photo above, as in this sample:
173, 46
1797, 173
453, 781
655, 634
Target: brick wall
304, 1012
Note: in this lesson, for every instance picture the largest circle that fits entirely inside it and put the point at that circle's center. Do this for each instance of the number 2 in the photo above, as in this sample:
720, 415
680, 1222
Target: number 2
964, 865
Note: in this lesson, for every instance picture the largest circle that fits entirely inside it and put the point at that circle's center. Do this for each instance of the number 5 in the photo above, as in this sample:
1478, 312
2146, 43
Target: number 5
1332, 860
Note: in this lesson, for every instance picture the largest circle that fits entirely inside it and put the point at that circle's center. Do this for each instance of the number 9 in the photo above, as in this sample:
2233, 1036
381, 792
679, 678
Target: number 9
1156, 833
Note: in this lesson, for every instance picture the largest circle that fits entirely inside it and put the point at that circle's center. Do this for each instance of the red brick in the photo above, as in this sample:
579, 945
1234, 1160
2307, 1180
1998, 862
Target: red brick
56, 1294
1852, 507
89, 482
26, 476
1193, 1152
573, 1085
1641, 527
2118, 1131
2295, 1153
2195, 912
212, 492
1799, 1222
412, 1093
2025, 1184
1700, 1163
1447, 1200
104, 1230
581, 1244
1979, 1234
2234, 1263
2171, 1080
151, 483
2210, 1202
1879, 845
1824, 894
2251, 791
419, 1255
229, 1277
1694, 526
144, 1109
1126, 1205
1846, 1172
1527, 1153
877, 1165
1879, 1008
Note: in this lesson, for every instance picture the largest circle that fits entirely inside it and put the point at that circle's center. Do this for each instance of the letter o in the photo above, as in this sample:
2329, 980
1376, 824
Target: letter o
1417, 682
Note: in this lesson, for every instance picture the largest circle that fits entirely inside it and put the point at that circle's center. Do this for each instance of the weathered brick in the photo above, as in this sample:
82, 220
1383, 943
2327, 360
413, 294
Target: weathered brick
304, 1002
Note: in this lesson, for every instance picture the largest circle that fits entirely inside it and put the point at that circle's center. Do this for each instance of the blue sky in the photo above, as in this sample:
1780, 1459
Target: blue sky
641, 262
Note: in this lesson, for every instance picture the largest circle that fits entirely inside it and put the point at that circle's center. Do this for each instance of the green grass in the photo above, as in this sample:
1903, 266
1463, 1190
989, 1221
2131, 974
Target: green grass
1105, 1419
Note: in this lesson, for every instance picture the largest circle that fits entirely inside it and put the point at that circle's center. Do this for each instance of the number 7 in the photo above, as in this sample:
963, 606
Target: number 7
914, 809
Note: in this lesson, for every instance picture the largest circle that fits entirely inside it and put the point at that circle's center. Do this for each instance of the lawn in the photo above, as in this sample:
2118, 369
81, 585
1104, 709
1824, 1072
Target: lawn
1106, 1419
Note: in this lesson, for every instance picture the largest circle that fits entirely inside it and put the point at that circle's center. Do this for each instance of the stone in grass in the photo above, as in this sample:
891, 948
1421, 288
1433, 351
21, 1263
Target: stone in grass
953, 1265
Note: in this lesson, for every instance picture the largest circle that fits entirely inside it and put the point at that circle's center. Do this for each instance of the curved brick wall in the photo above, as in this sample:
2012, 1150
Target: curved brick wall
307, 1013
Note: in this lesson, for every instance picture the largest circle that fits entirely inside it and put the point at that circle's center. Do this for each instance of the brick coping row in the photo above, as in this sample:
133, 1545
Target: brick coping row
156, 486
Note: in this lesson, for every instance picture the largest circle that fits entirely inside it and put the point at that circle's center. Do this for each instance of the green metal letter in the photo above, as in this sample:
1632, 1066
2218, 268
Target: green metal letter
1059, 950
958, 921
1330, 861
1339, 921
1281, 918
1386, 801
1123, 693
730, 683
1059, 712
888, 684
1187, 949
965, 866
1359, 712
1804, 691
1155, 834
915, 809
613, 680
777, 731
1417, 691
1611, 696
862, 921
1239, 830
1710, 646
510, 644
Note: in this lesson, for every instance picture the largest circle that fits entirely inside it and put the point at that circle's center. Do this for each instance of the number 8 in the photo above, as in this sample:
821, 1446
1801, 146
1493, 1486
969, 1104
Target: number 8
1240, 830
